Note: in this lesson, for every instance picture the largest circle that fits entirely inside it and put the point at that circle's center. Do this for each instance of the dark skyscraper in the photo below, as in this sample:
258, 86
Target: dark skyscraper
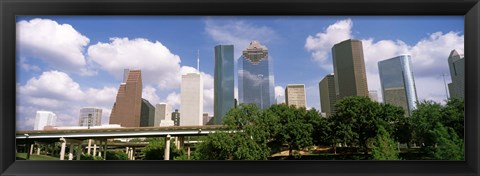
327, 94
127, 107
255, 76
349, 68
223, 82
147, 116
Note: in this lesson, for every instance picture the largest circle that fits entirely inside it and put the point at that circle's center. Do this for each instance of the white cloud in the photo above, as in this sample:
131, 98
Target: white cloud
321, 44
59, 45
159, 66
57, 92
429, 56
280, 94
238, 33
173, 99
149, 93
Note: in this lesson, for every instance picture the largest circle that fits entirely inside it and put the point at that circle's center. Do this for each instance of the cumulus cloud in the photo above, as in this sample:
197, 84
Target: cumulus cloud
238, 33
59, 45
429, 56
321, 44
56, 91
159, 66
149, 93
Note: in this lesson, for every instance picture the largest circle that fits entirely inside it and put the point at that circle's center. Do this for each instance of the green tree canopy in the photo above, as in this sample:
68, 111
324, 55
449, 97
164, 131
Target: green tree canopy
384, 147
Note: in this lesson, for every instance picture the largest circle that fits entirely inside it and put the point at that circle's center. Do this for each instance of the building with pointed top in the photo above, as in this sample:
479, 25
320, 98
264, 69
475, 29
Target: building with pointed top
456, 64
255, 76
127, 107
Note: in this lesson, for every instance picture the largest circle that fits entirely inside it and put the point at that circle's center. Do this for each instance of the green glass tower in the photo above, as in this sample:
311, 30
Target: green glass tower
223, 82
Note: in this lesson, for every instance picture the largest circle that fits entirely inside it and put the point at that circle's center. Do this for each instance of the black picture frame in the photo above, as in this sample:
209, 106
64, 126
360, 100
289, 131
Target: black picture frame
10, 8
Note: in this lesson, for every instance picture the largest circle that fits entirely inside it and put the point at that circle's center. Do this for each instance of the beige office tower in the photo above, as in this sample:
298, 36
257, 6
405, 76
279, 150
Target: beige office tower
328, 96
456, 63
295, 95
349, 69
191, 100
163, 111
127, 107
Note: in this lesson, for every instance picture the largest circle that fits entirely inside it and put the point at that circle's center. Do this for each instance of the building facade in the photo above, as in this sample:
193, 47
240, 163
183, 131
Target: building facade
223, 99
295, 95
147, 115
397, 82
90, 116
255, 76
328, 96
163, 111
176, 117
191, 100
373, 94
127, 107
349, 69
43, 119
456, 63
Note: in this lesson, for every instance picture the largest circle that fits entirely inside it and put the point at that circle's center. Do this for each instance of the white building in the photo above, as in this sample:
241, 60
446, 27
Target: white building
191, 100
163, 111
90, 116
295, 95
44, 118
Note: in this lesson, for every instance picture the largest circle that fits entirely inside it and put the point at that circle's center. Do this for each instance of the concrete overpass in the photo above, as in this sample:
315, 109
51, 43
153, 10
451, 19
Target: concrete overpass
76, 137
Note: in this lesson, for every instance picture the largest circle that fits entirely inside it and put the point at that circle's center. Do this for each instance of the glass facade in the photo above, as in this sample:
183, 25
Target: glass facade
223, 82
255, 76
398, 85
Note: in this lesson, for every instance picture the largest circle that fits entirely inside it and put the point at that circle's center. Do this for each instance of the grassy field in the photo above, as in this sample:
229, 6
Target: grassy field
23, 156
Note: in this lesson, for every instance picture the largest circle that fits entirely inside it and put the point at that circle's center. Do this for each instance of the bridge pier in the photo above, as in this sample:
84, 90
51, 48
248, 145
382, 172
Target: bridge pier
72, 144
89, 146
167, 147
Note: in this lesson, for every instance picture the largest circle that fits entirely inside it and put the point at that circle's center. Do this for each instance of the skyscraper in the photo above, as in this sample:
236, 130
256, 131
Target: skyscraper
349, 69
191, 100
295, 95
373, 95
127, 107
176, 117
90, 116
456, 63
328, 96
147, 115
223, 83
398, 85
44, 118
163, 111
255, 76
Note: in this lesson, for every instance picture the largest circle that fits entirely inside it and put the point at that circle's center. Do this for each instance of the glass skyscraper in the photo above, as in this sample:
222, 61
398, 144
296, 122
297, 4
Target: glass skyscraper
398, 85
255, 76
223, 98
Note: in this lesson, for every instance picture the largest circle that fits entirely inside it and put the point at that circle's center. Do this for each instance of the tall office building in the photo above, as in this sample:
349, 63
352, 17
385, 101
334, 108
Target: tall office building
147, 115
44, 118
127, 107
163, 111
223, 83
176, 117
90, 116
328, 96
398, 85
191, 100
456, 63
373, 95
349, 69
255, 76
295, 95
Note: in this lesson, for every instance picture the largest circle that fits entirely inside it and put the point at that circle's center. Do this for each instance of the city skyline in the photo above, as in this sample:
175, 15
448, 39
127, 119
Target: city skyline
300, 48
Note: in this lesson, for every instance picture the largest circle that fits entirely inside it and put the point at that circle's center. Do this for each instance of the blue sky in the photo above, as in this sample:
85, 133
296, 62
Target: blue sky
85, 55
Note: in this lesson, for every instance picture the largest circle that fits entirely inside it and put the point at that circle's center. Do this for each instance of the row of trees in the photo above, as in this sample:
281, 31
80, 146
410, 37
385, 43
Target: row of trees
371, 127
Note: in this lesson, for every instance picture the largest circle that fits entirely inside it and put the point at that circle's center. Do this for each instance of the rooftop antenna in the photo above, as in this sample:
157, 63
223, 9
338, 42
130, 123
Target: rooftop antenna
198, 61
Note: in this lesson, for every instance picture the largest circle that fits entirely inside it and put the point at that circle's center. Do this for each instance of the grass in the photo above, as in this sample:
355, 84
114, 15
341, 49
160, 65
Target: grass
23, 156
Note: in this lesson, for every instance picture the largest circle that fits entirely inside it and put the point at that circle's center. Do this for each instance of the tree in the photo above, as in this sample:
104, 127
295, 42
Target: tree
453, 116
448, 145
249, 130
294, 131
116, 155
155, 150
384, 147
427, 114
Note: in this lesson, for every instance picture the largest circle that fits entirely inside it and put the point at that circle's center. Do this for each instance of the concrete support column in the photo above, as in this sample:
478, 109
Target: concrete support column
31, 149
62, 150
70, 154
105, 150
188, 150
94, 148
176, 142
133, 153
89, 146
167, 148
79, 150
38, 149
